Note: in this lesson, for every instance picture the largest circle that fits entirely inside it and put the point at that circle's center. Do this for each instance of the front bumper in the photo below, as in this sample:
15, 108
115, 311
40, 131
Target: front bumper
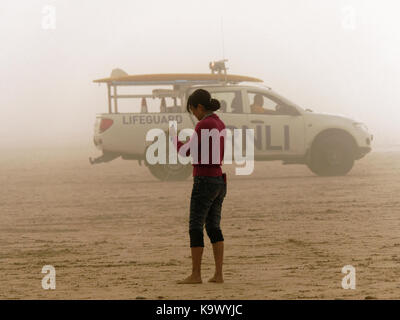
362, 152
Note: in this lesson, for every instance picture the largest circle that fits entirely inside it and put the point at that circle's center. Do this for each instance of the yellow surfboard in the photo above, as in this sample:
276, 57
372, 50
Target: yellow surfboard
121, 77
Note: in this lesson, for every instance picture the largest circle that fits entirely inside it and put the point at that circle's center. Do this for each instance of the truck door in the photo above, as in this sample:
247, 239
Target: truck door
278, 127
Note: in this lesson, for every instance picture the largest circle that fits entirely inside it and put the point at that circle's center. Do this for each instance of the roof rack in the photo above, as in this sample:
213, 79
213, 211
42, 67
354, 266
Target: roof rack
179, 81
175, 79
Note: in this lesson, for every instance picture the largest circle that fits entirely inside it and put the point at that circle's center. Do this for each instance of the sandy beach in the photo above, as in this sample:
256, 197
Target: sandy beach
112, 231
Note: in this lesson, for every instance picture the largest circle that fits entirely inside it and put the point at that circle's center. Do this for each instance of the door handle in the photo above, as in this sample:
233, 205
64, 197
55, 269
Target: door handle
257, 121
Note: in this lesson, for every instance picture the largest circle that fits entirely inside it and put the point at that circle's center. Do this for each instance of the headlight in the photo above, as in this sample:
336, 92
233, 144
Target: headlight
360, 125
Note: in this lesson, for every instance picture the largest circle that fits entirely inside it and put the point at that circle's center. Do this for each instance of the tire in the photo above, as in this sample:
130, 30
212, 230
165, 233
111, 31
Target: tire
332, 156
170, 172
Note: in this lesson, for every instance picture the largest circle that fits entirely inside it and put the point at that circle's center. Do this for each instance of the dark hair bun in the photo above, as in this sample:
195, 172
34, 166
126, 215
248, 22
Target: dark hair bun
214, 105
203, 97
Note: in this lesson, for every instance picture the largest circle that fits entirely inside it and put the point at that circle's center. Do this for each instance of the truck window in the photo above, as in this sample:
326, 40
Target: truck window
263, 104
150, 105
231, 101
169, 105
260, 103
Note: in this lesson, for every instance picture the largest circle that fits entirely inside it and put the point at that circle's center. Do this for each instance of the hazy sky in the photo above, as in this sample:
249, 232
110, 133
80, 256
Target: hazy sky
336, 56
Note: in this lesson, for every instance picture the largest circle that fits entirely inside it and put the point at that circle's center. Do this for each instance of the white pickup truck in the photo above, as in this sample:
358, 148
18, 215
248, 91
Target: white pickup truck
328, 144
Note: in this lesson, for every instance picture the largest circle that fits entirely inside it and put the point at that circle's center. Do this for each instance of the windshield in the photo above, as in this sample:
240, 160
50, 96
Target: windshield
277, 96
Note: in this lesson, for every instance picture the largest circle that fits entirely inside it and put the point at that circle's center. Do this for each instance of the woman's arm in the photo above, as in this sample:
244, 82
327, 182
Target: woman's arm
184, 148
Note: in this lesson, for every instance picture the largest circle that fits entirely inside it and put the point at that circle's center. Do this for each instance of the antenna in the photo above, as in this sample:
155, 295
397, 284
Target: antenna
219, 66
222, 35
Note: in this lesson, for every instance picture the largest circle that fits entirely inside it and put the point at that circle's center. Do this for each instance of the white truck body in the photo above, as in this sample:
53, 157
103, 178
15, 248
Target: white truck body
288, 135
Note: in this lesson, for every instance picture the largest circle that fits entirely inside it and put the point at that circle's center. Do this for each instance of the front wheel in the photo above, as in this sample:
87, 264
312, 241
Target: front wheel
331, 156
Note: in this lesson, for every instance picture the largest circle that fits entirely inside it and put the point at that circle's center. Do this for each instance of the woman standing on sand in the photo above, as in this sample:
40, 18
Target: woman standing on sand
209, 184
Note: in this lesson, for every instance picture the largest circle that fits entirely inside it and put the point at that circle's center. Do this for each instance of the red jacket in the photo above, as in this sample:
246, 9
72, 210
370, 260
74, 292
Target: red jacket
200, 166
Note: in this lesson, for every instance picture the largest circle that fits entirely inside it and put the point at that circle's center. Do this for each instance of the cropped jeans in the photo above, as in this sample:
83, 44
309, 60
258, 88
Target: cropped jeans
205, 209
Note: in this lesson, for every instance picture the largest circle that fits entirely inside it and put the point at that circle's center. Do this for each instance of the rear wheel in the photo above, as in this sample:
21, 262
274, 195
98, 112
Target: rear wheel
332, 156
170, 172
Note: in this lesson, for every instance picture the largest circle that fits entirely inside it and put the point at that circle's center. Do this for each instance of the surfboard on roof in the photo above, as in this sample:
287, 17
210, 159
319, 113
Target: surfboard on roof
121, 77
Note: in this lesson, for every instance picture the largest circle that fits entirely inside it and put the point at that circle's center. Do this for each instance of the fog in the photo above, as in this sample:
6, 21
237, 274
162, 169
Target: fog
337, 56
120, 229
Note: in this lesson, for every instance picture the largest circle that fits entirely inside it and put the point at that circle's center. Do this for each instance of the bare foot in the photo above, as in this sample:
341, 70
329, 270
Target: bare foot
190, 280
216, 279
